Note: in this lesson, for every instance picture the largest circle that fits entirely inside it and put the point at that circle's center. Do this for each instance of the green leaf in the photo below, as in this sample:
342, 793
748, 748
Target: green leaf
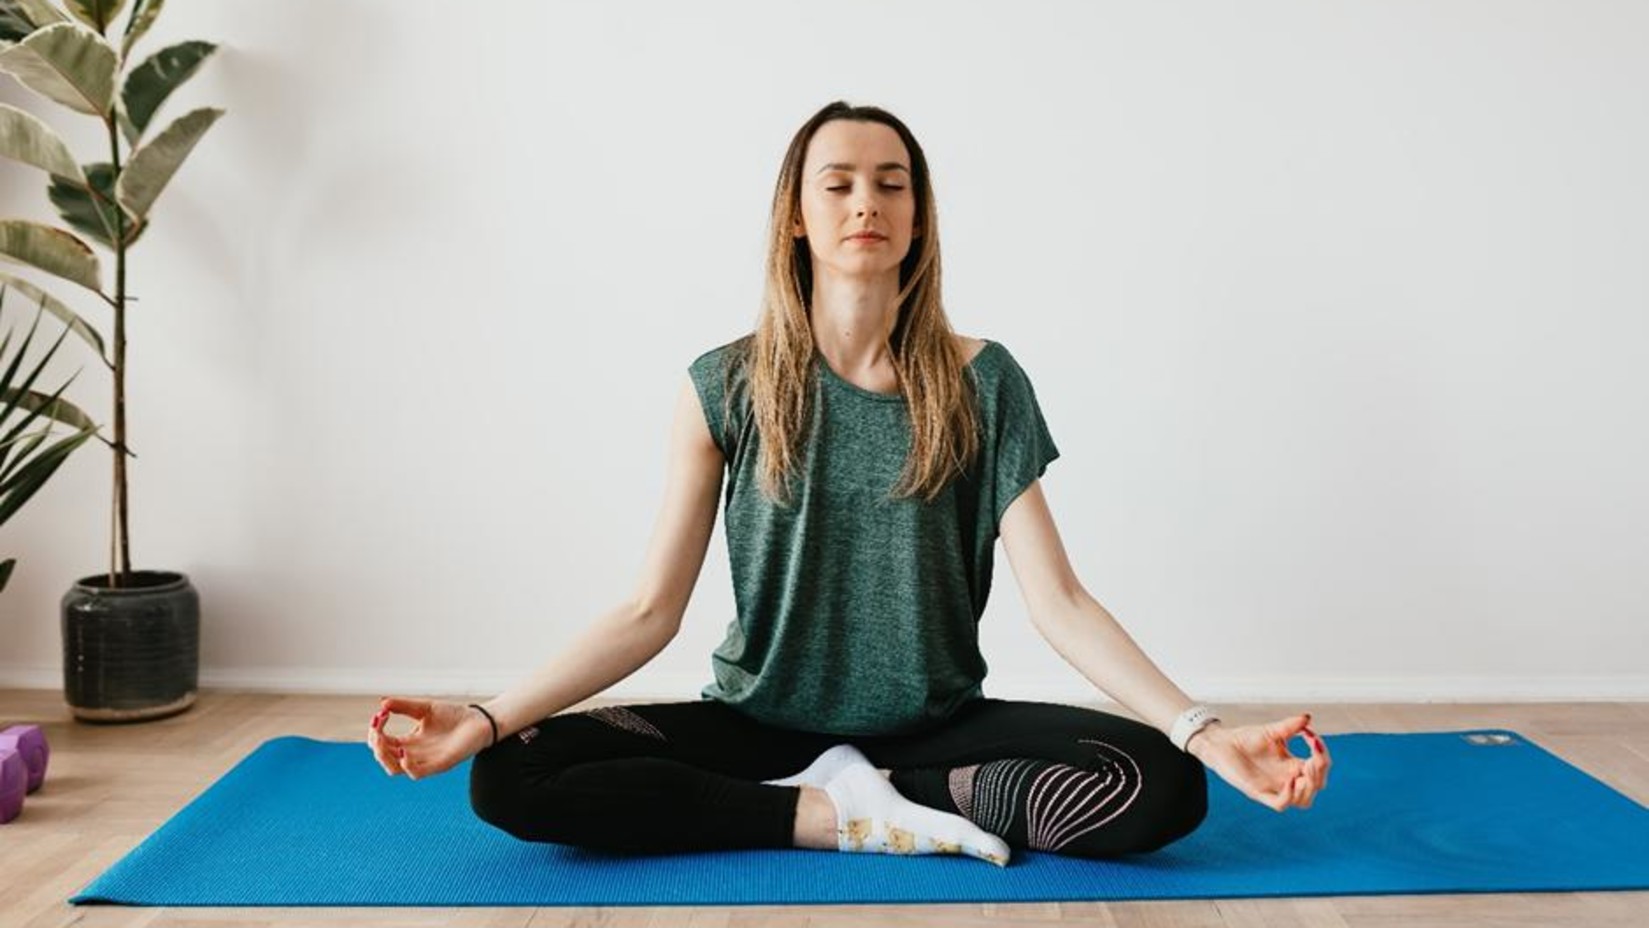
25, 138
14, 23
143, 16
125, 123
67, 63
37, 405
16, 491
51, 250
150, 83
91, 215
96, 13
27, 472
12, 396
18, 18
52, 407
57, 308
159, 158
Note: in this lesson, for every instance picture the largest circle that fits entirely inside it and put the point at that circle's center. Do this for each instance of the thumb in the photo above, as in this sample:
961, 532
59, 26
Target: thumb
1291, 726
417, 708
1301, 722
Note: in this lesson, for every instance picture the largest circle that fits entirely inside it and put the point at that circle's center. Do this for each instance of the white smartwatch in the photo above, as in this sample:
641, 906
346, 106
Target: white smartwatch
1190, 722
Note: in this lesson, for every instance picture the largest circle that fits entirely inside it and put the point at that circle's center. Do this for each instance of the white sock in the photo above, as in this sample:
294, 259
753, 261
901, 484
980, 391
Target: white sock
824, 767
873, 817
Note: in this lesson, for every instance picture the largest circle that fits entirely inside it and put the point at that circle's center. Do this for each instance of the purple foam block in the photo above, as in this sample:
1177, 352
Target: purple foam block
30, 742
14, 780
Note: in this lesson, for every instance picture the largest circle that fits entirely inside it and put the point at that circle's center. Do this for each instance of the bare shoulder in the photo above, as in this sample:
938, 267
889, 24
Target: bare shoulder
970, 347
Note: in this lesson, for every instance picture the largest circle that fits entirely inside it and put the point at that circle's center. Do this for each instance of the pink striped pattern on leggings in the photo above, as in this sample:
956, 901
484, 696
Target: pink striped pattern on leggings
622, 718
1065, 802
1061, 802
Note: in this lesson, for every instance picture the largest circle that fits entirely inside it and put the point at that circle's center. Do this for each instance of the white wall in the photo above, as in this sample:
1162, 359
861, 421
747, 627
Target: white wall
1337, 311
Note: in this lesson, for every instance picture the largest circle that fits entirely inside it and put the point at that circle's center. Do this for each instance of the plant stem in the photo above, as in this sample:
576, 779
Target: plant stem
124, 566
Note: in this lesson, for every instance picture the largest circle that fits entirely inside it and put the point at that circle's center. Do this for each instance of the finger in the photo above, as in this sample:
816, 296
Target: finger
381, 720
390, 749
1320, 760
382, 753
417, 708
1278, 797
1303, 791
1289, 727
1279, 732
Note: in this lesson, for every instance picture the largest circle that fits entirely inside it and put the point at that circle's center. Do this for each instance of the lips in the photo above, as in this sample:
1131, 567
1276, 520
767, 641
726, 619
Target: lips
871, 236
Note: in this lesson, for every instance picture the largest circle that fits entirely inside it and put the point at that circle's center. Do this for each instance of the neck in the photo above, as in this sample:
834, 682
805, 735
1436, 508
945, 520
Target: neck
852, 320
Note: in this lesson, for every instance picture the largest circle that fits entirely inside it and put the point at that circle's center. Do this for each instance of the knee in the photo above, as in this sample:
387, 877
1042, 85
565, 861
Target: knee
1171, 802
534, 799
495, 787
1184, 803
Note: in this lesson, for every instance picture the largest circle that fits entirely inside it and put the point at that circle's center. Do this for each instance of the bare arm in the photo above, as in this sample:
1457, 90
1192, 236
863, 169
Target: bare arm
625, 638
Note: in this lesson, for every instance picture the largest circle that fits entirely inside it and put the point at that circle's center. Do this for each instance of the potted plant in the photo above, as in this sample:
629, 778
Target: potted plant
130, 638
24, 465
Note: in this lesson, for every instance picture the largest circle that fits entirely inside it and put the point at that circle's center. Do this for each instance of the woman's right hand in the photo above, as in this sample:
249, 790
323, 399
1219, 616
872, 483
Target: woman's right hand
445, 735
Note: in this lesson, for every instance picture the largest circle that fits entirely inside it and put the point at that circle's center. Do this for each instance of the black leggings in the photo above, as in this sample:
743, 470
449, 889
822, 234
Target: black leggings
686, 776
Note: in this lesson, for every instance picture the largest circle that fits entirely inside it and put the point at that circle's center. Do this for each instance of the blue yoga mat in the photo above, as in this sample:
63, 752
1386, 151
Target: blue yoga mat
306, 822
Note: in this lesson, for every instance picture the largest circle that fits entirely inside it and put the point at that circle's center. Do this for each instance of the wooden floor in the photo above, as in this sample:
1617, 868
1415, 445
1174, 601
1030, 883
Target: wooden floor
108, 787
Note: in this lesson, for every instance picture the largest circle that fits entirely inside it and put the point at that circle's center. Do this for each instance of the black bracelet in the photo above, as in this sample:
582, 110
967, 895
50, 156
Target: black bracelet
490, 721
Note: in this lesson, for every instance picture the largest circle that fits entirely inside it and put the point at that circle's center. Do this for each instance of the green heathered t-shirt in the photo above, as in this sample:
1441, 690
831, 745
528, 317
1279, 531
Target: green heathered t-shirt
857, 614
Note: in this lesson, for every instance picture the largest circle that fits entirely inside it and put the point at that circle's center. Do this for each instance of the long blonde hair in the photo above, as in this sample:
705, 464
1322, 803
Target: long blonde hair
777, 359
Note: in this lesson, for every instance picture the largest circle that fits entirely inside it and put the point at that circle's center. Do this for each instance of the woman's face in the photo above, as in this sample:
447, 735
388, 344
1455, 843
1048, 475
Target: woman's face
856, 176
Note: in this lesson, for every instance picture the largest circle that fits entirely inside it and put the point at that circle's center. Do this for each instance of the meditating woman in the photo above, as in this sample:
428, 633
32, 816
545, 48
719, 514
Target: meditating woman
872, 458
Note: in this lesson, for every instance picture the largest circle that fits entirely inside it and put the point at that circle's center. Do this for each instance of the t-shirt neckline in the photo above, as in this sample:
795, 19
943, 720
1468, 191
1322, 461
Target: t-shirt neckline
851, 387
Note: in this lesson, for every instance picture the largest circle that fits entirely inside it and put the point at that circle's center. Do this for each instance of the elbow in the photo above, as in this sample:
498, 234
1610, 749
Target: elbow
1061, 604
654, 613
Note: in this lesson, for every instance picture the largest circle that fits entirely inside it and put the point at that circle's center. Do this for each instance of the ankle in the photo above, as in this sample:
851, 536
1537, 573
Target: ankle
815, 820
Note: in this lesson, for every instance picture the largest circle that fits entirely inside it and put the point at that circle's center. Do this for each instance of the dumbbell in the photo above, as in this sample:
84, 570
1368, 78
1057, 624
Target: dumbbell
23, 756
29, 741
14, 782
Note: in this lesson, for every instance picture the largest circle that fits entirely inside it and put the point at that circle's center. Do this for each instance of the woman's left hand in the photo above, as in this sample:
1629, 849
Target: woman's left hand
1255, 759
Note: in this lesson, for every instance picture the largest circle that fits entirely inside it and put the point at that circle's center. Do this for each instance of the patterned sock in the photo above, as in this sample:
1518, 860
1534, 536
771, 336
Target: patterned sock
824, 768
872, 817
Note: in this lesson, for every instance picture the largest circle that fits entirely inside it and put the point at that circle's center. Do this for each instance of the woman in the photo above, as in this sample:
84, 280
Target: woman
873, 457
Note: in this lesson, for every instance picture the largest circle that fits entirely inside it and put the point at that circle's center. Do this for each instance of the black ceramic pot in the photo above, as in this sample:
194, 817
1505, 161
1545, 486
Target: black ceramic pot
131, 653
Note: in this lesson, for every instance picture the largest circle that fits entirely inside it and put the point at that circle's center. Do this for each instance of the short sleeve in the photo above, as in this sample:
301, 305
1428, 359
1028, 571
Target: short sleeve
709, 375
1024, 447
718, 378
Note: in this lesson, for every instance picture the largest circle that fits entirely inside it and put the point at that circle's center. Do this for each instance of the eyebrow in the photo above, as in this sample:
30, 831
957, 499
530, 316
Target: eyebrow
884, 166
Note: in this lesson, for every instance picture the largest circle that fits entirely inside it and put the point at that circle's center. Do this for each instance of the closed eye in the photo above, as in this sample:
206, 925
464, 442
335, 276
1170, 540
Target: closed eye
884, 187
